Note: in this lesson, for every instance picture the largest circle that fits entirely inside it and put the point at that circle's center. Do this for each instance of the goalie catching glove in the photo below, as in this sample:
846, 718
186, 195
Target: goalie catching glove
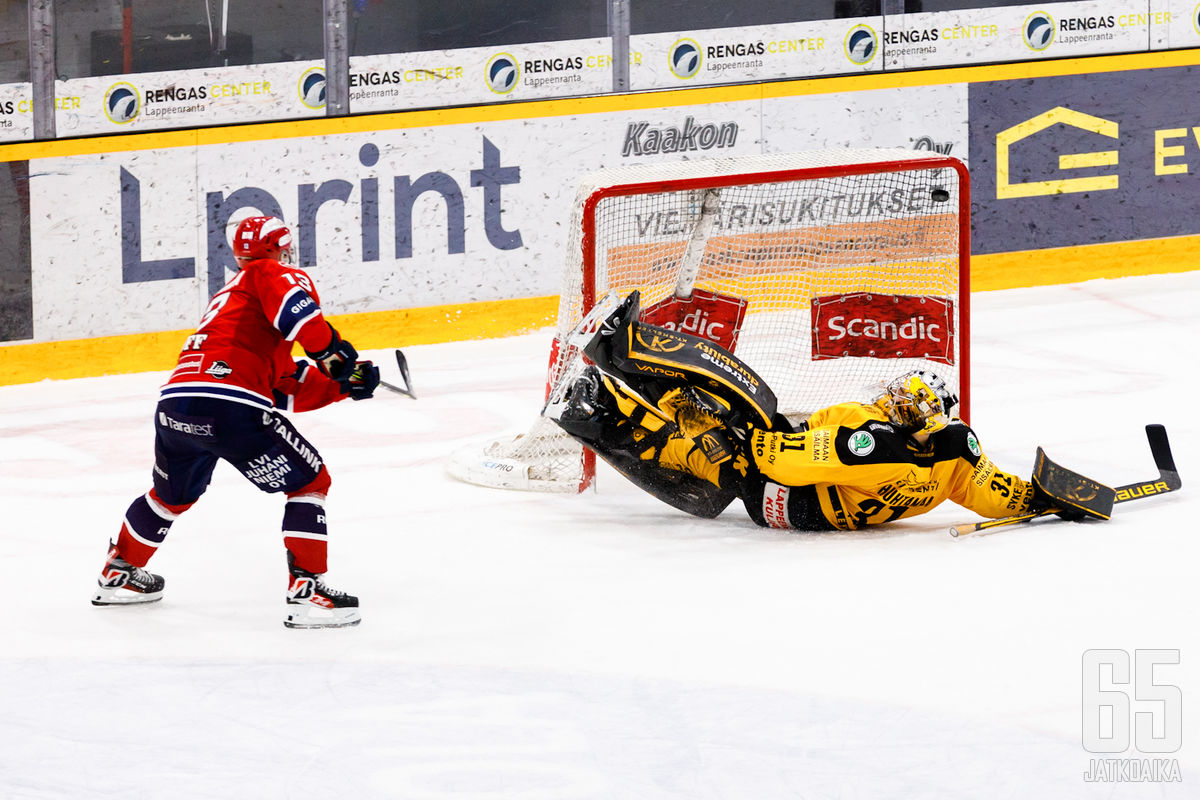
708, 420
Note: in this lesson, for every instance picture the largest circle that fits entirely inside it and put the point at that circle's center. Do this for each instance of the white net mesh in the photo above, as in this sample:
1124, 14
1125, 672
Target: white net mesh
848, 264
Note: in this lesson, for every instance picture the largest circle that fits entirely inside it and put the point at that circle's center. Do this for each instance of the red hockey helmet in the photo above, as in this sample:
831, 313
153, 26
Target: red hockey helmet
263, 237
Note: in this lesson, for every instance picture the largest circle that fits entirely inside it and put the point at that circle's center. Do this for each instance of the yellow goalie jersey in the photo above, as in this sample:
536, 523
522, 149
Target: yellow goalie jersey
867, 472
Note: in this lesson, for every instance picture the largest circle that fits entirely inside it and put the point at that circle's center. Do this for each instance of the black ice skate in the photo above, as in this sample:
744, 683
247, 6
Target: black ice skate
121, 583
312, 604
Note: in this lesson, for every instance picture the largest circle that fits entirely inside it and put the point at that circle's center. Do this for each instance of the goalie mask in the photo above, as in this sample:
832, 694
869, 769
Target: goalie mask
918, 402
263, 237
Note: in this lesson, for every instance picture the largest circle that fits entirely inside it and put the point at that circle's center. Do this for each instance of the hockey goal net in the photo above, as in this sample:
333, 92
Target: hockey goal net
827, 272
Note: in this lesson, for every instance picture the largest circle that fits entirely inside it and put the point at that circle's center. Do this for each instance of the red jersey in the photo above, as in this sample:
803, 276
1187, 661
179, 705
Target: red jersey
241, 350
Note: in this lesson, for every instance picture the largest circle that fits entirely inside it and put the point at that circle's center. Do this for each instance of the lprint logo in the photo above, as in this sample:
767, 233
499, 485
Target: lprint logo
1008, 188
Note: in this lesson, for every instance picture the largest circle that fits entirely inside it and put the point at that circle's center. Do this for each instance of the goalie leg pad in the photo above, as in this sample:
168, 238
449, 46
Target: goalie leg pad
1076, 494
681, 490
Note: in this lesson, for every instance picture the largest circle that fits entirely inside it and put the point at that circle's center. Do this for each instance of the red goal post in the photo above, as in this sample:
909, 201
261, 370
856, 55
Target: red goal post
826, 271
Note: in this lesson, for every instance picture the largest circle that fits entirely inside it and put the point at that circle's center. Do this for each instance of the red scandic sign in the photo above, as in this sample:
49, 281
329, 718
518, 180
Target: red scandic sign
883, 326
711, 316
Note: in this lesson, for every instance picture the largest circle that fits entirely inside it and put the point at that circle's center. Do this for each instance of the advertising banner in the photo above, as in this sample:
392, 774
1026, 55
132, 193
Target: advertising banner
480, 75
762, 52
16, 117
1019, 33
1079, 159
1176, 24
190, 98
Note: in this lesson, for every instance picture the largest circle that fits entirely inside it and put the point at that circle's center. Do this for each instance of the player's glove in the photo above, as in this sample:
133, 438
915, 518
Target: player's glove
338, 358
361, 383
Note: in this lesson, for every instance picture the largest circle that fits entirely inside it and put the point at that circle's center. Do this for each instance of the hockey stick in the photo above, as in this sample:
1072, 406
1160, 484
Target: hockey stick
1168, 480
406, 389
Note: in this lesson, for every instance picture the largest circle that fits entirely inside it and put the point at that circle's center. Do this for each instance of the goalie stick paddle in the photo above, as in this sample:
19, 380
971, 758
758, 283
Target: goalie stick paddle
406, 389
1168, 480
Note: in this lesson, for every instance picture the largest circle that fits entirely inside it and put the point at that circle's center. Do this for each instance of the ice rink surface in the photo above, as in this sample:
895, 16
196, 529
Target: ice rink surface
605, 646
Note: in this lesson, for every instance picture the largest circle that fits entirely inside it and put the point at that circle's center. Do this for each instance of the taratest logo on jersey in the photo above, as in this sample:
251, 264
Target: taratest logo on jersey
684, 58
883, 326
861, 443
122, 103
861, 44
502, 73
312, 88
1038, 31
973, 445
219, 370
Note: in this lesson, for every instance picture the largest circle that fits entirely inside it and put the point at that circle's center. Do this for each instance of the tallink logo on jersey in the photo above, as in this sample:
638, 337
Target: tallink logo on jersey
502, 73
1038, 31
684, 58
861, 44
312, 88
122, 103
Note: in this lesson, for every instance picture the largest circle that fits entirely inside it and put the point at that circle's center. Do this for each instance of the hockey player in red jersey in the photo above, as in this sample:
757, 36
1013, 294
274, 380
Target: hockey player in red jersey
221, 402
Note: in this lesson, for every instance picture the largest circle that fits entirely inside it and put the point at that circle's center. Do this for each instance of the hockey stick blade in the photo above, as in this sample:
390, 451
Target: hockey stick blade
1168, 480
406, 389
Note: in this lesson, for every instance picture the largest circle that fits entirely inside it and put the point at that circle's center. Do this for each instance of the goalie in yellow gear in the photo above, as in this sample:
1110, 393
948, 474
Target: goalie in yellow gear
697, 436
852, 464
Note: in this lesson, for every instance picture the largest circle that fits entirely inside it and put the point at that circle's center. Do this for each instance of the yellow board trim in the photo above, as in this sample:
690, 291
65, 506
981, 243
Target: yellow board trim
150, 352
375, 330
1084, 262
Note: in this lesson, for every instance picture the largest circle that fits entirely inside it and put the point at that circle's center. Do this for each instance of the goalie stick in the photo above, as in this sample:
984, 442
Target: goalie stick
406, 389
1167, 481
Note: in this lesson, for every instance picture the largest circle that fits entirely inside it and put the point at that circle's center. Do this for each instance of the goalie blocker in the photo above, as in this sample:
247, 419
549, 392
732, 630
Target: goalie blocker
1076, 495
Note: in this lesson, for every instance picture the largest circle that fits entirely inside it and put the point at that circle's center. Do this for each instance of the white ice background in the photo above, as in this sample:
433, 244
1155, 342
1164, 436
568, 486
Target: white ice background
604, 646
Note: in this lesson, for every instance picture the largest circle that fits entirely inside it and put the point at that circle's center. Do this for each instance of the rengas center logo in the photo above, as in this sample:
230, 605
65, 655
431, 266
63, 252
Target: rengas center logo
502, 73
312, 88
861, 44
1007, 189
684, 58
1038, 31
122, 103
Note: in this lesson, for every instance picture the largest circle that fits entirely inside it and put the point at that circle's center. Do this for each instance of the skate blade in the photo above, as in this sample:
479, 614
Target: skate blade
123, 597
306, 616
